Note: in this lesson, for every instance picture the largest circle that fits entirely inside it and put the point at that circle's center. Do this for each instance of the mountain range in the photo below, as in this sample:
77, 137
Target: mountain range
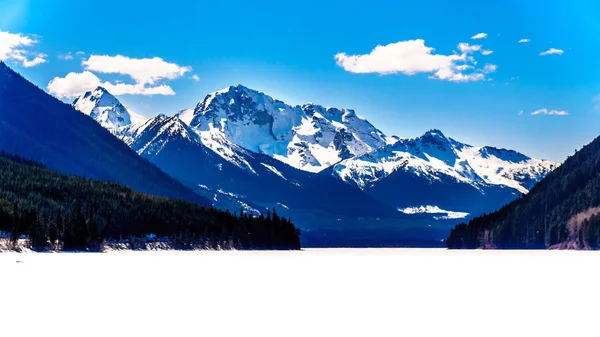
437, 170
326, 167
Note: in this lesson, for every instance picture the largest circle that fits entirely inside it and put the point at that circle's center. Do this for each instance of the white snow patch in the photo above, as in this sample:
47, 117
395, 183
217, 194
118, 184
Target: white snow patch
274, 170
434, 210
228, 193
186, 115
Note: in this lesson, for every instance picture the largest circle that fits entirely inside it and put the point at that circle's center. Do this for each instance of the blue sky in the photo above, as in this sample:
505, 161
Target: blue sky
288, 50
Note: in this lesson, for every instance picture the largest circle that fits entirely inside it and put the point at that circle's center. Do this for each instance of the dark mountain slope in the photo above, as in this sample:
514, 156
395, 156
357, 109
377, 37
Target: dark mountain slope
559, 212
406, 188
35, 125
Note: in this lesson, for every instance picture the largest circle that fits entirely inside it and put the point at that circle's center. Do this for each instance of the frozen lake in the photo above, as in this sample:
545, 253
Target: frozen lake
317, 292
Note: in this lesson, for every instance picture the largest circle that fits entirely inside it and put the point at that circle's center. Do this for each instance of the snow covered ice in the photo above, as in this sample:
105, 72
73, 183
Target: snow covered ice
331, 292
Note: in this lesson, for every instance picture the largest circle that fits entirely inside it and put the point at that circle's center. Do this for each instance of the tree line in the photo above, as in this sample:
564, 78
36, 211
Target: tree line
57, 211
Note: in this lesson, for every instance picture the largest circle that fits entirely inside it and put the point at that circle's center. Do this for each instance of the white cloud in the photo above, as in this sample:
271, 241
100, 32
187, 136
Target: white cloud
195, 78
76, 84
27, 62
596, 101
490, 68
458, 77
146, 73
521, 113
524, 41
142, 71
80, 53
552, 51
41, 58
467, 48
412, 57
486, 52
67, 57
463, 67
13, 47
545, 111
479, 36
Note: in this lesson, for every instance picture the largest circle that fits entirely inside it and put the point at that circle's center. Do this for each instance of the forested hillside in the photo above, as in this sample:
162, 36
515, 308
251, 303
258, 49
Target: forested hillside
561, 211
73, 213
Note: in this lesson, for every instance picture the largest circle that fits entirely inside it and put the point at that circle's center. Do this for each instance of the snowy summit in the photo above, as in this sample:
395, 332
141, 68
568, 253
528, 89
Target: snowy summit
308, 137
106, 109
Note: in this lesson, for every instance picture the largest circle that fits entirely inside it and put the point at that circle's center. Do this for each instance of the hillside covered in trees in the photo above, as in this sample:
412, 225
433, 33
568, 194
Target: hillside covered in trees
57, 211
561, 211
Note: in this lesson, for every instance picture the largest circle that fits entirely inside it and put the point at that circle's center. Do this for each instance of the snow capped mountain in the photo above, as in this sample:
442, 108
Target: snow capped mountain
433, 162
152, 136
234, 177
433, 155
308, 137
106, 109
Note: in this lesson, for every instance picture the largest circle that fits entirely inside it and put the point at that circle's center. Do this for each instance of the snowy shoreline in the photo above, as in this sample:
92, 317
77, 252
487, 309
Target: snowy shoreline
22, 246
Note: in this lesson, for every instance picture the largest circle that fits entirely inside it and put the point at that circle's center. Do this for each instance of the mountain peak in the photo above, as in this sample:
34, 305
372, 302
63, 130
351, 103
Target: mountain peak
98, 93
310, 109
242, 87
103, 107
151, 136
308, 137
436, 138
235, 102
434, 133
228, 96
232, 89
96, 96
